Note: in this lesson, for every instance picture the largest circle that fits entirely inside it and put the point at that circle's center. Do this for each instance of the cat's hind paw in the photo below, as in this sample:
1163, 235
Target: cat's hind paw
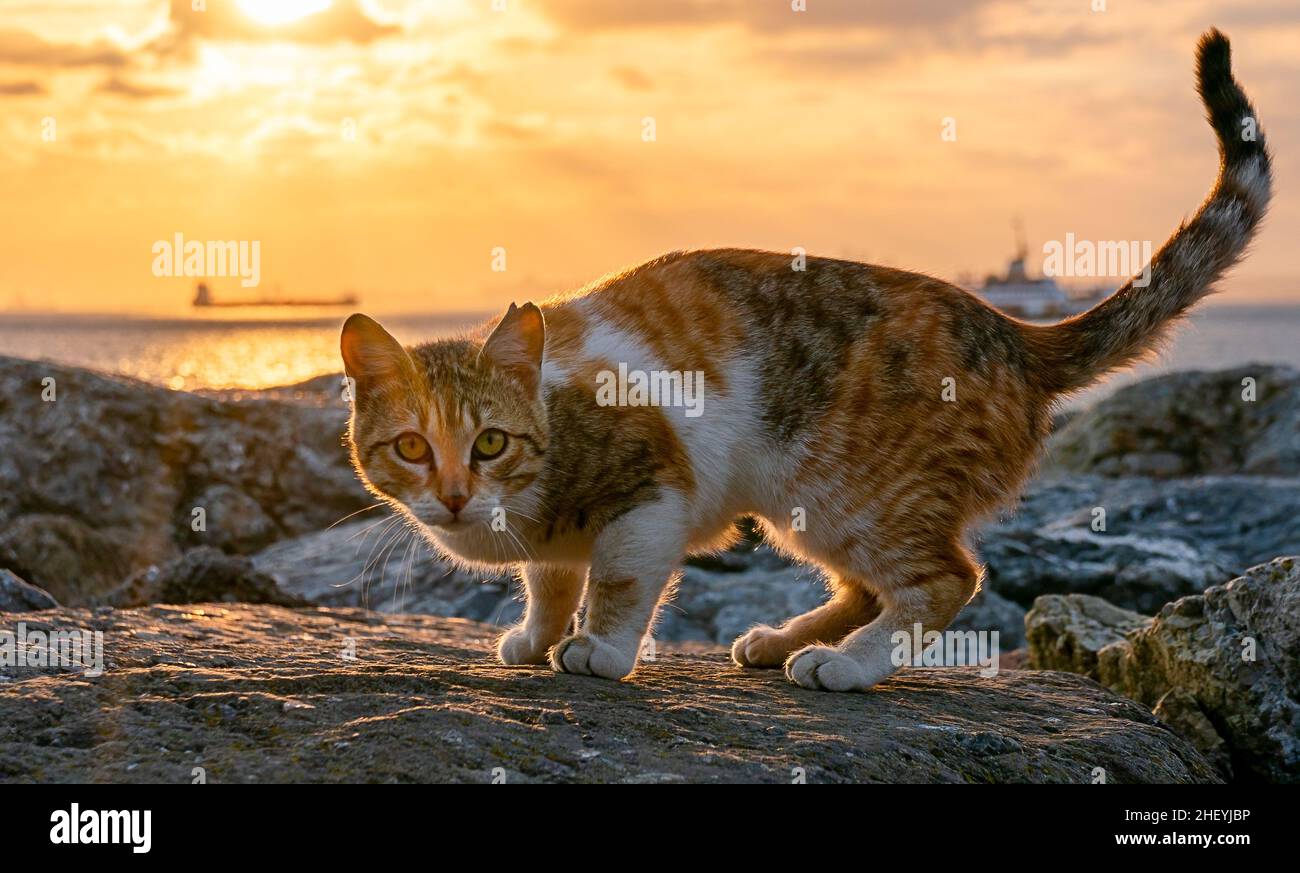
518, 646
760, 646
588, 655
823, 668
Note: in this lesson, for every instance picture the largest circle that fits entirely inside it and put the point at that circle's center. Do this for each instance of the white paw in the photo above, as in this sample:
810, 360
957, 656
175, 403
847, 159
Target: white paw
518, 646
591, 656
760, 646
823, 668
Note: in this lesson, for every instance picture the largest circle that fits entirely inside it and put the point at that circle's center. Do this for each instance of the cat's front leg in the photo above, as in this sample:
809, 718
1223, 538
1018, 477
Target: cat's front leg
553, 592
632, 563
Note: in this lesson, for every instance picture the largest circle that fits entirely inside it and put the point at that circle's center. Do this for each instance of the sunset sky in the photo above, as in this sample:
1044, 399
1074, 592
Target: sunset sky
386, 147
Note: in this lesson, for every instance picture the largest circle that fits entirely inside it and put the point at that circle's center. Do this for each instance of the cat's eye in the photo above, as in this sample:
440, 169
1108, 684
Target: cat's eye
489, 444
411, 447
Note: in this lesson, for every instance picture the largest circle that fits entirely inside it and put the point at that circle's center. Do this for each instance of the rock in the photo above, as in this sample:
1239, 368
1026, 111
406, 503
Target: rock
1188, 424
75, 561
103, 479
233, 522
375, 564
202, 574
378, 563
1162, 539
319, 390
345, 695
758, 587
1180, 710
1236, 650
1067, 632
990, 611
1224, 666
17, 595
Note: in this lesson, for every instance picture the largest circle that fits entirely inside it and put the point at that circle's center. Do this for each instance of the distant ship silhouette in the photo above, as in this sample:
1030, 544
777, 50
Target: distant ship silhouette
1017, 293
203, 298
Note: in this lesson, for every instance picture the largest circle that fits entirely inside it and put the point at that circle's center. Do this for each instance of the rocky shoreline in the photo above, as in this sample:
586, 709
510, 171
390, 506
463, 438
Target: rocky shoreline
1128, 561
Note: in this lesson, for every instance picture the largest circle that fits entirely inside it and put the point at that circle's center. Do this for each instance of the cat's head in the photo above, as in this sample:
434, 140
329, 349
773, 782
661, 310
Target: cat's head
452, 430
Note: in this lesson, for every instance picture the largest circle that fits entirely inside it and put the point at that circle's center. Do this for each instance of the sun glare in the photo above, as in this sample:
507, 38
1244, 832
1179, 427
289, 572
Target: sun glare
281, 11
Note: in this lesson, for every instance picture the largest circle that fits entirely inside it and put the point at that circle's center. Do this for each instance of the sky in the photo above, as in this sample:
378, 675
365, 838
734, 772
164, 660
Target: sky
408, 150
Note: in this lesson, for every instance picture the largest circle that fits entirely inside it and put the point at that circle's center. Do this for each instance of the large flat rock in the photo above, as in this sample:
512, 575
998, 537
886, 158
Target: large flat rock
267, 694
103, 476
1240, 420
1163, 539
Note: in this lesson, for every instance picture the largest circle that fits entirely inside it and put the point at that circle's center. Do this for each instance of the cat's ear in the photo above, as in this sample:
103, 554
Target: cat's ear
516, 345
370, 354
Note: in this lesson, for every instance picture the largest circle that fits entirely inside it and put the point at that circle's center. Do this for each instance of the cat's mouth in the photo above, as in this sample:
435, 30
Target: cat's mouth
456, 524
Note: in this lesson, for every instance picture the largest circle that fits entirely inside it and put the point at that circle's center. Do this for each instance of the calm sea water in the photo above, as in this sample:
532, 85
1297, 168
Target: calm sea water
214, 353
207, 352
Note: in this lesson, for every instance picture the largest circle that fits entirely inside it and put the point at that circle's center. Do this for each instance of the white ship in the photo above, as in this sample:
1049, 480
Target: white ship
1023, 296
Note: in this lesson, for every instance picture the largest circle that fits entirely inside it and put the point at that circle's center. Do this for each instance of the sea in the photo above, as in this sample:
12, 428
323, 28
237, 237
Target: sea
285, 347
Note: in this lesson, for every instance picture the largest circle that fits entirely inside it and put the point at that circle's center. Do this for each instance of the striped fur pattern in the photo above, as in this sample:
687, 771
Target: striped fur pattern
865, 416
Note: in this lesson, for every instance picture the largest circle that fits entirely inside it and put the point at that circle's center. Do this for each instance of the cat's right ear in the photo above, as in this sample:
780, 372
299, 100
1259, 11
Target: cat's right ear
370, 354
516, 344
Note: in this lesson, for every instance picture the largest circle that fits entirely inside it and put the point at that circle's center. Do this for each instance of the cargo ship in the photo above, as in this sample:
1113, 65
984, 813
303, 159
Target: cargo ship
203, 299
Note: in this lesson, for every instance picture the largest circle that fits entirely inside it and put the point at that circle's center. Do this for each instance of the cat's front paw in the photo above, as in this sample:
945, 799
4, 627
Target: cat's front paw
591, 656
823, 668
760, 646
518, 646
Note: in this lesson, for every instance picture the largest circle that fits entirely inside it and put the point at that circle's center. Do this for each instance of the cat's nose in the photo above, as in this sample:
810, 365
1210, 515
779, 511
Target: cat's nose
454, 502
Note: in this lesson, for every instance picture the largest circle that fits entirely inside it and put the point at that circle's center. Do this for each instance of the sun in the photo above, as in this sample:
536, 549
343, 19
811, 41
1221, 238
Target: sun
281, 11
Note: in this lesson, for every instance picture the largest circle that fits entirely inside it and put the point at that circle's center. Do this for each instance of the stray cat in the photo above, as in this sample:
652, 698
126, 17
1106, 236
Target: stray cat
887, 410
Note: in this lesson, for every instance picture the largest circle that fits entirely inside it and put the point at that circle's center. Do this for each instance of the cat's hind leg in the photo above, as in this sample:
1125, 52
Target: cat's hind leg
851, 606
927, 587
553, 592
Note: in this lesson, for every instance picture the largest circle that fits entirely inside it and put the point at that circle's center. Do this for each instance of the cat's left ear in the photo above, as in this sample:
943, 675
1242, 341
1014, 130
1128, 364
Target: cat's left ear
370, 354
516, 345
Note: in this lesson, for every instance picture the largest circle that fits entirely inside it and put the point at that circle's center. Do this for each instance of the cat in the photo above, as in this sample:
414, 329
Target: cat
883, 411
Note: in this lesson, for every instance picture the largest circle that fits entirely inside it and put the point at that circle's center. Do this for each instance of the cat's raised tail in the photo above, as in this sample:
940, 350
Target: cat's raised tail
1132, 322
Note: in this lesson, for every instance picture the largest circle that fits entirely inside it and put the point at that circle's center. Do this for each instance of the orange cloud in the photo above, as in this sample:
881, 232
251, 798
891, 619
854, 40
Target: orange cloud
20, 48
342, 21
819, 14
120, 87
21, 89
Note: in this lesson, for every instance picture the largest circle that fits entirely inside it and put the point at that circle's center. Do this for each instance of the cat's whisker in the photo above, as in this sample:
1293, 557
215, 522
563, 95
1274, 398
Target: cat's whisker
524, 515
397, 580
355, 514
387, 521
365, 534
520, 542
496, 550
398, 538
413, 550
383, 538
378, 542
389, 544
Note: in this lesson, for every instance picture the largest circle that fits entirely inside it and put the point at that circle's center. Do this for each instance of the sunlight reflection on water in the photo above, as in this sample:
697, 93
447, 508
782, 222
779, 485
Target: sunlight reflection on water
196, 354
